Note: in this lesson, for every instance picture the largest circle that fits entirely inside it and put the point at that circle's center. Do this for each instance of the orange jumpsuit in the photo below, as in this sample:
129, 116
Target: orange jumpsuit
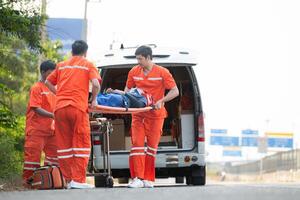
71, 115
39, 132
148, 124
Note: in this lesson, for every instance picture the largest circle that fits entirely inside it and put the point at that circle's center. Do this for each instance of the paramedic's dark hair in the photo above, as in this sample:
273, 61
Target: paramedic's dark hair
79, 47
47, 65
144, 51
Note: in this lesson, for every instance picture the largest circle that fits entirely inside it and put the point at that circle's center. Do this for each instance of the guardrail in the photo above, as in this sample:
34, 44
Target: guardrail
282, 161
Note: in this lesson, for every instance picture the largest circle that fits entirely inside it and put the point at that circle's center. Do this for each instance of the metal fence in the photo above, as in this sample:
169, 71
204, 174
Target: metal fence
282, 161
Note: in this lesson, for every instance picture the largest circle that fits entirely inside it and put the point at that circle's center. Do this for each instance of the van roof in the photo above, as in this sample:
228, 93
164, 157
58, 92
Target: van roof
161, 55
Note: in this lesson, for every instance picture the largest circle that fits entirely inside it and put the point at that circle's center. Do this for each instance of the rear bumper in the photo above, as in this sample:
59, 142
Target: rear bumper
169, 161
159, 172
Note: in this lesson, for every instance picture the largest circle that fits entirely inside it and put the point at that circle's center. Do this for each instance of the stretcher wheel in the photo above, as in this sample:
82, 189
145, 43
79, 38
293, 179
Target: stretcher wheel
109, 182
104, 181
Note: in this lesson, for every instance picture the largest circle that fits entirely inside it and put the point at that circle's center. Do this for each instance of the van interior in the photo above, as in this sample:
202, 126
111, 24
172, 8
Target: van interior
178, 129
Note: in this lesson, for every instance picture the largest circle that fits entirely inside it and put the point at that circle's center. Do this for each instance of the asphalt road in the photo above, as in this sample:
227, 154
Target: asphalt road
224, 191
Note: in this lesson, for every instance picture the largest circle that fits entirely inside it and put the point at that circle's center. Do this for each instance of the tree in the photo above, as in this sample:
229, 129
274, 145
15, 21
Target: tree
20, 46
21, 18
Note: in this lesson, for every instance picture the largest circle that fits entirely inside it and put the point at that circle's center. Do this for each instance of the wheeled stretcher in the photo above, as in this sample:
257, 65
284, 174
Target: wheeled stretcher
102, 128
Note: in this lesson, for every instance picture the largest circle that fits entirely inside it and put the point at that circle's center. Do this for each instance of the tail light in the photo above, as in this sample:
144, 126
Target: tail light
97, 142
201, 133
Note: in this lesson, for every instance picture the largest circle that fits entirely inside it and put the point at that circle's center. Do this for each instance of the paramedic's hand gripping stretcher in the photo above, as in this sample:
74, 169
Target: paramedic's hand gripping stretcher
120, 102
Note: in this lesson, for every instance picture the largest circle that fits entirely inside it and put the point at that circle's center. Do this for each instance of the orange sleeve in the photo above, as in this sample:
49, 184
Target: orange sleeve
35, 99
52, 78
130, 82
169, 81
93, 73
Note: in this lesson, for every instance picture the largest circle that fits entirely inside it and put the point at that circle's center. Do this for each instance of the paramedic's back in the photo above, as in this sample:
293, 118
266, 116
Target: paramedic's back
72, 121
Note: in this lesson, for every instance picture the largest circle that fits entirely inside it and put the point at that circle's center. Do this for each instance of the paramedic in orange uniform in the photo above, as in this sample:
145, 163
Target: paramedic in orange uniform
154, 80
39, 131
72, 79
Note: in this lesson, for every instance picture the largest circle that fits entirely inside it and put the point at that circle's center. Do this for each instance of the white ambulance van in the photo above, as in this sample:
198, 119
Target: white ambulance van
181, 152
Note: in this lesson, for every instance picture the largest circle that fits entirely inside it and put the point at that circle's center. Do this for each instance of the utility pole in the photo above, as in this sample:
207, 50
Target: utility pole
84, 32
43, 28
43, 34
85, 23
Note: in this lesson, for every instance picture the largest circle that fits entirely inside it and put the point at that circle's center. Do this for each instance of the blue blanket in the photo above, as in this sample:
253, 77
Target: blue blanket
132, 99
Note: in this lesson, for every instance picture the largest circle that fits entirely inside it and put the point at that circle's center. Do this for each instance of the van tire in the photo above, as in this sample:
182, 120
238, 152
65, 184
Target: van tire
197, 177
198, 180
188, 180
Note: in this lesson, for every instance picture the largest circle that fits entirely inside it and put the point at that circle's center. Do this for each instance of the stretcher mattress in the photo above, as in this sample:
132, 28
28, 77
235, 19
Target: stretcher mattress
118, 110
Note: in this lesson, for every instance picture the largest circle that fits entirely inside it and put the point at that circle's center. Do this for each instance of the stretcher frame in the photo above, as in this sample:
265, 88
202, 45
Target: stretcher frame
118, 110
103, 128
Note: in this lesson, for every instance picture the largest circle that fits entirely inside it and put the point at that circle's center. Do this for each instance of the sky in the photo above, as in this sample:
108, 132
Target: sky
248, 51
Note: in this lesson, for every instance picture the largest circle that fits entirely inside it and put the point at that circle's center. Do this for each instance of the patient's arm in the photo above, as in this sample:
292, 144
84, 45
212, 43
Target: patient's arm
110, 90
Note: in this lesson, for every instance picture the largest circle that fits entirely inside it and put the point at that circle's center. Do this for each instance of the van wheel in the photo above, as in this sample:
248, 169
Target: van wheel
179, 179
123, 180
198, 176
198, 180
188, 180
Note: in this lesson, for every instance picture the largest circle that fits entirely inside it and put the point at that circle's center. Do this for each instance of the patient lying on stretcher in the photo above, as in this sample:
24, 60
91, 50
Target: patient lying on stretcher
135, 98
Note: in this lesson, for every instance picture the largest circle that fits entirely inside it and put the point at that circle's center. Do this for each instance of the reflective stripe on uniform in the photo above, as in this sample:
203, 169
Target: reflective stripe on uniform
152, 149
64, 150
137, 148
74, 149
155, 78
137, 154
51, 158
45, 93
81, 149
74, 155
150, 154
81, 155
73, 67
138, 78
36, 183
66, 156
